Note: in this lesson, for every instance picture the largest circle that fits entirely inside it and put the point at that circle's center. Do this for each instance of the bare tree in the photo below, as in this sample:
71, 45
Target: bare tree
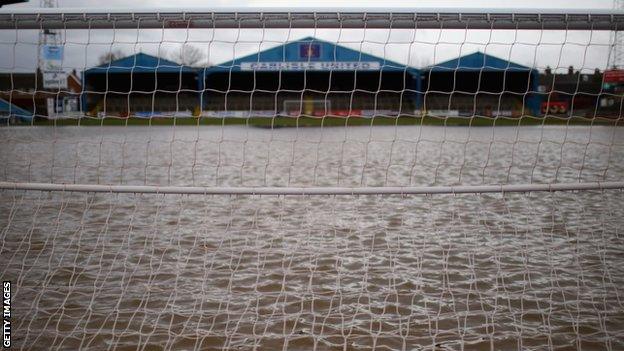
187, 55
111, 56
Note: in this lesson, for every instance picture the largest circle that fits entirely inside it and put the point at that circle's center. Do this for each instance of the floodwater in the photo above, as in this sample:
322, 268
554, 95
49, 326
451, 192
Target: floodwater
421, 272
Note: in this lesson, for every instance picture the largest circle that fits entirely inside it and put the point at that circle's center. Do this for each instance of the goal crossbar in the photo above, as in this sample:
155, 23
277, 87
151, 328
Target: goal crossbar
408, 190
253, 17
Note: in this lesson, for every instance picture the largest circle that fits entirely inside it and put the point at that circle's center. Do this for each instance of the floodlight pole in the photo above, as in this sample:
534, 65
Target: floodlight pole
617, 56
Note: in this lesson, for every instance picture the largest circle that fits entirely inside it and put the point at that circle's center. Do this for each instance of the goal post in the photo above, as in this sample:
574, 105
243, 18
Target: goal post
312, 178
467, 67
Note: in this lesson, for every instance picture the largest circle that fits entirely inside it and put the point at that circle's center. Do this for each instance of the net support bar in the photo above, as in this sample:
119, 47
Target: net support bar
410, 18
460, 189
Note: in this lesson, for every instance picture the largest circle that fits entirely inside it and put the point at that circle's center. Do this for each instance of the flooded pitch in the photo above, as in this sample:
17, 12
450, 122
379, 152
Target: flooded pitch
422, 272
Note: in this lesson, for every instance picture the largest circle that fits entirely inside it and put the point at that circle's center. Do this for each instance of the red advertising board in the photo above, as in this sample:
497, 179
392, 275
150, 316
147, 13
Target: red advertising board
614, 76
554, 107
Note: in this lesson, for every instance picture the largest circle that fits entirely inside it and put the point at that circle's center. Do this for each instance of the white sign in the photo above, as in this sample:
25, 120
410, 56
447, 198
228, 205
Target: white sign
162, 114
54, 80
52, 67
310, 66
52, 57
239, 113
504, 113
63, 107
444, 113
375, 113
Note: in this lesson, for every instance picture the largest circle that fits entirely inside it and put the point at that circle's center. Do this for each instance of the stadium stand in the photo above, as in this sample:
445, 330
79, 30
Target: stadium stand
141, 85
350, 82
480, 84
312, 77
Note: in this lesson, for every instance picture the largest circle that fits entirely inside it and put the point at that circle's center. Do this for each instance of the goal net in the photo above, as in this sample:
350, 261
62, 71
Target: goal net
312, 179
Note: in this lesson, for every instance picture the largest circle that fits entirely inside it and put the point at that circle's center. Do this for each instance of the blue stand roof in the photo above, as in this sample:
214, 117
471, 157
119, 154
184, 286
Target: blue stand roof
12, 110
478, 61
309, 54
141, 63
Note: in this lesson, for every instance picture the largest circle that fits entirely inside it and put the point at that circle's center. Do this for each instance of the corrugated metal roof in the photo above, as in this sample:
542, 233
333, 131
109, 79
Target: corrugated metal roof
321, 51
478, 61
141, 63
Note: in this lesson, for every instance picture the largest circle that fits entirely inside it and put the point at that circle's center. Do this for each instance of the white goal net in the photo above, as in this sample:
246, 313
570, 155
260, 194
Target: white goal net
330, 179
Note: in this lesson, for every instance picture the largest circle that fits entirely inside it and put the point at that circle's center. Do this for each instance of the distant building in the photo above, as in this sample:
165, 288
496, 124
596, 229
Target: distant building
571, 93
140, 85
25, 90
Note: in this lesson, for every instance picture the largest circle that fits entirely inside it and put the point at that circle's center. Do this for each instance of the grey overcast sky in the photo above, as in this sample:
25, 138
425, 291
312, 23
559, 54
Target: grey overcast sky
584, 50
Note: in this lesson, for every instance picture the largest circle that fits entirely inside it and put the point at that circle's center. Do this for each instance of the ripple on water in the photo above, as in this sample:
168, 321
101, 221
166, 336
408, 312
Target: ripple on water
443, 272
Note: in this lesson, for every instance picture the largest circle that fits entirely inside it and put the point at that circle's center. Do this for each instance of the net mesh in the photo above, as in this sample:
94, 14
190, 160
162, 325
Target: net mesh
326, 100
525, 271
388, 78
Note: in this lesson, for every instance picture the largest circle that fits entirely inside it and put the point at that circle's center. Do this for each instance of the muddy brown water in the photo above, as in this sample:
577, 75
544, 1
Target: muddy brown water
440, 272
